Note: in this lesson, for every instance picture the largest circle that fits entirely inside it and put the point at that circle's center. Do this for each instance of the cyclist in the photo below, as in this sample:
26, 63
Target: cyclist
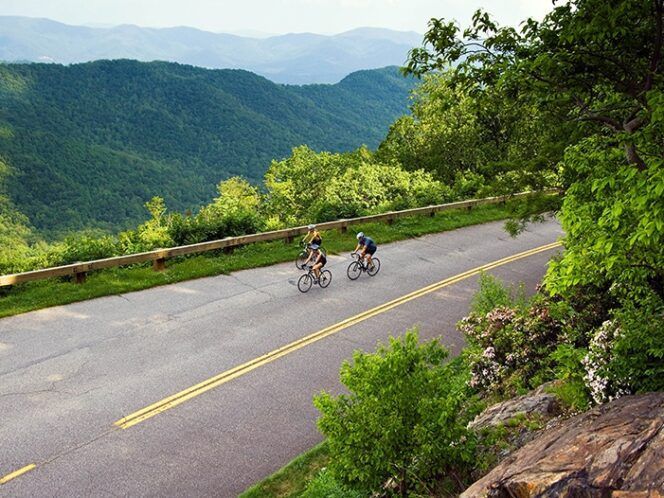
312, 238
367, 248
319, 259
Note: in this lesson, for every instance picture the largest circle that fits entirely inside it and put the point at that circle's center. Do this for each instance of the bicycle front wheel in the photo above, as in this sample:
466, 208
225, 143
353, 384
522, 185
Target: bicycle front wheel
325, 278
301, 259
354, 270
375, 267
305, 282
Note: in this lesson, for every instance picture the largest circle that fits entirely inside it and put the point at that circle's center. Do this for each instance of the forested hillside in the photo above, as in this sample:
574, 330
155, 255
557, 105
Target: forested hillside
89, 144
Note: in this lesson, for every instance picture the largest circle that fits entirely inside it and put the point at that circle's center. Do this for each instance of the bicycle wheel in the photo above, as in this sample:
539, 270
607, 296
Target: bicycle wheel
372, 270
354, 270
305, 282
325, 278
301, 259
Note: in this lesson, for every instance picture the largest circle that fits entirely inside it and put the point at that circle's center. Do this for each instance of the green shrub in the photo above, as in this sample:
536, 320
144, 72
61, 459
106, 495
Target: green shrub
310, 186
85, 246
493, 294
467, 184
568, 365
403, 418
638, 354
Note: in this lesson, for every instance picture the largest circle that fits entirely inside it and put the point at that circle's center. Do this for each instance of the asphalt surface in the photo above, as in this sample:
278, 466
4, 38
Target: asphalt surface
68, 373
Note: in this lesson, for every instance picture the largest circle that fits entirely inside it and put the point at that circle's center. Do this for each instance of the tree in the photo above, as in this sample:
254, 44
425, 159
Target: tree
597, 64
443, 136
471, 130
310, 186
236, 196
154, 232
589, 60
236, 211
401, 419
296, 183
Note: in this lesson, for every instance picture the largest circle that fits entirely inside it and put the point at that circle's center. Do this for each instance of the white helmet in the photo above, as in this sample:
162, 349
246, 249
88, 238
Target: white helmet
311, 227
360, 235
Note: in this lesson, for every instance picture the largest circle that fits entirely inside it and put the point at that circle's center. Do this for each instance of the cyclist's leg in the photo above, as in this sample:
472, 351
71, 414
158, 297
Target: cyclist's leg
362, 255
369, 255
316, 269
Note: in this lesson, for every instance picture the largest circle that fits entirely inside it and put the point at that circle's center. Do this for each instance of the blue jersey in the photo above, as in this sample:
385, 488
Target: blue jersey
368, 242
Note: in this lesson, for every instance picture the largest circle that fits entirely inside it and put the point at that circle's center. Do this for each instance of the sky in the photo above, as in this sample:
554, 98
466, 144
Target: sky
274, 16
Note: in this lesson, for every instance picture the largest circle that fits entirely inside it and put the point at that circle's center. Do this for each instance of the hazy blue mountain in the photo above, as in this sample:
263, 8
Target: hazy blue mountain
90, 143
293, 58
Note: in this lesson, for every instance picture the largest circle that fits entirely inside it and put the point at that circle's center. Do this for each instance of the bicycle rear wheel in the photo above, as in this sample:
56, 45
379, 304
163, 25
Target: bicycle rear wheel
372, 270
301, 259
325, 278
354, 270
305, 282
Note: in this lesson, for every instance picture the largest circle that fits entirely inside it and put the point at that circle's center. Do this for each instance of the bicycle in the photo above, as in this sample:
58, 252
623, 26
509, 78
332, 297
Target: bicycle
360, 265
304, 255
305, 282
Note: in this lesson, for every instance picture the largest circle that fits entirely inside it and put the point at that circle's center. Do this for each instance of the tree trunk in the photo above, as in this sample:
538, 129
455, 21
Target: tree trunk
633, 157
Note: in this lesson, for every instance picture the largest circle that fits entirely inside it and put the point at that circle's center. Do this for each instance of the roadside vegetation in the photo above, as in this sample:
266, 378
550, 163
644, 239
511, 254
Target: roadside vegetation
294, 478
41, 294
584, 88
304, 188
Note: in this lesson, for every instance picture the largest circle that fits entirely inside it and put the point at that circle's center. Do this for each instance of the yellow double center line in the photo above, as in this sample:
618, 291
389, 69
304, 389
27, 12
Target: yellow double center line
233, 373
17, 473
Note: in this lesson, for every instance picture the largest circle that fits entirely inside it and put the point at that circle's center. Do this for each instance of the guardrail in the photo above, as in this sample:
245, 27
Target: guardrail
159, 256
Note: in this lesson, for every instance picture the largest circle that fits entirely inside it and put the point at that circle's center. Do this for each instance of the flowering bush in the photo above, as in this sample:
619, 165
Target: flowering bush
596, 346
509, 343
597, 361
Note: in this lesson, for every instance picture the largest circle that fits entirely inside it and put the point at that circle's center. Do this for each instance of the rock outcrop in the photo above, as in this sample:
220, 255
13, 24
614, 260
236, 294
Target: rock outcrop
614, 450
538, 402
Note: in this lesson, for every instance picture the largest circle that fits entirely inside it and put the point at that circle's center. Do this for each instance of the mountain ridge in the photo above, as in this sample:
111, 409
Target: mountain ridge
293, 58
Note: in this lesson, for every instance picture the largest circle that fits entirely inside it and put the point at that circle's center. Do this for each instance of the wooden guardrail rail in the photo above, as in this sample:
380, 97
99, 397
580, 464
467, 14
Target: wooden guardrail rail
159, 256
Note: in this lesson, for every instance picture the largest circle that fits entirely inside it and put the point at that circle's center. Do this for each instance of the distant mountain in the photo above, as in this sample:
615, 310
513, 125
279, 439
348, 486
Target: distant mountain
90, 143
294, 58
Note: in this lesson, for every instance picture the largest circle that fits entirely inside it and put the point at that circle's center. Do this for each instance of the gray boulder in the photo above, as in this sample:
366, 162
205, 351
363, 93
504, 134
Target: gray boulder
537, 402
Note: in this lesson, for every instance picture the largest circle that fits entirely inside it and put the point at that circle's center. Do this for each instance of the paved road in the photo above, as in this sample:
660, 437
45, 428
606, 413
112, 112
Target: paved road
68, 374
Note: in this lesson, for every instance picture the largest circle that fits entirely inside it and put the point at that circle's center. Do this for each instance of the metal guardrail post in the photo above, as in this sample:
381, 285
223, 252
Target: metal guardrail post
159, 264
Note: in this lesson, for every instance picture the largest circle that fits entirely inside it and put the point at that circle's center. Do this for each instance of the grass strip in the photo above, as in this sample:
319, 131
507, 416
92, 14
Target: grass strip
292, 479
58, 291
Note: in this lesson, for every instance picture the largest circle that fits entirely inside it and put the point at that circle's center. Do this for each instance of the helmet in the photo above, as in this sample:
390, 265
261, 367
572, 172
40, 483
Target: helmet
311, 227
314, 246
360, 235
